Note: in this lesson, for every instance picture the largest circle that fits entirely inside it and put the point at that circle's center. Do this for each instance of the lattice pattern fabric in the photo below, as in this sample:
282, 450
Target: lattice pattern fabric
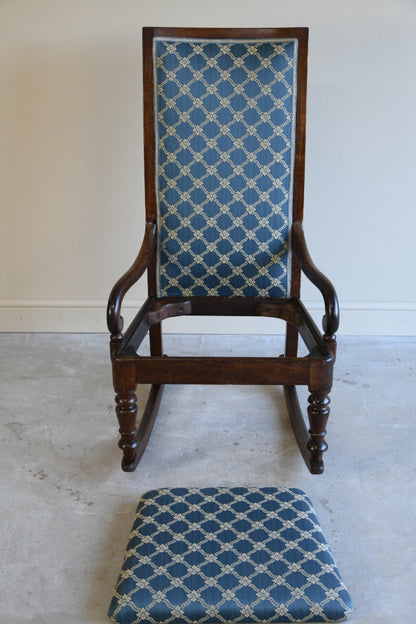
218, 555
225, 125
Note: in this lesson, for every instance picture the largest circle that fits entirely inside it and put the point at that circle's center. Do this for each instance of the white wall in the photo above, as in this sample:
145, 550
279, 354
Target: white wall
71, 153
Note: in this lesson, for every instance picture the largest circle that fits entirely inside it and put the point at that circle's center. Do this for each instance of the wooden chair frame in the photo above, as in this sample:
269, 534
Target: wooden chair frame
314, 370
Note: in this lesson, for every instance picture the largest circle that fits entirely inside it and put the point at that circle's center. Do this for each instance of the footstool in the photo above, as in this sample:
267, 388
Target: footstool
225, 555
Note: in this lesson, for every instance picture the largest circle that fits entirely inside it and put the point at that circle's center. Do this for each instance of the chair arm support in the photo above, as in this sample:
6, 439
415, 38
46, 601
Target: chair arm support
330, 321
115, 321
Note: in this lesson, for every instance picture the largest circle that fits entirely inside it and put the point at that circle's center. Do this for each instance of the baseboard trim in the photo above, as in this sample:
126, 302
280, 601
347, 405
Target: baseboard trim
366, 318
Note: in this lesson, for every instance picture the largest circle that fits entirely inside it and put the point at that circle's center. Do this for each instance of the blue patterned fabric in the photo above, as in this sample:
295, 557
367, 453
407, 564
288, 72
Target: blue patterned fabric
217, 555
225, 124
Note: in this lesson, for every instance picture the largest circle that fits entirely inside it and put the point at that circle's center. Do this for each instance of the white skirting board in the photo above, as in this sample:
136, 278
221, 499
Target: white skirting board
357, 318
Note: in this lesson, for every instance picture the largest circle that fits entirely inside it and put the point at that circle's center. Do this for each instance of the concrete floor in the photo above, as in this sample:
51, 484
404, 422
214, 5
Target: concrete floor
67, 508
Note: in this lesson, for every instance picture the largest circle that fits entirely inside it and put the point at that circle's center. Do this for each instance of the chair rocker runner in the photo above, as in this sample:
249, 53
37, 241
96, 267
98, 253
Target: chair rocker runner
224, 138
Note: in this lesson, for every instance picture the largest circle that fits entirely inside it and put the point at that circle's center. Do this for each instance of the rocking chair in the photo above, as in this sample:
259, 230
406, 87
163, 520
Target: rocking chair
224, 123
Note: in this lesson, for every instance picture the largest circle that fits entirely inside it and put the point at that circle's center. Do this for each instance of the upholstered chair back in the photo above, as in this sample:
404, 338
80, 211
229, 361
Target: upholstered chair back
225, 113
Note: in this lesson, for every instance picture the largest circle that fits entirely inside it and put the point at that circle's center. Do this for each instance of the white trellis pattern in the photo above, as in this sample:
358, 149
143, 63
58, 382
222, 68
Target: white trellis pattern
225, 122
219, 555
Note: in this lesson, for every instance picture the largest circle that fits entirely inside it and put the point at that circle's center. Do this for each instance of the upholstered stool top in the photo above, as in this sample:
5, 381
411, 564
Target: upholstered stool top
217, 555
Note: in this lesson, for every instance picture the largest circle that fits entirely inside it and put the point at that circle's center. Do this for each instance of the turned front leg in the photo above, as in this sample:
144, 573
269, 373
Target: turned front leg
318, 412
126, 410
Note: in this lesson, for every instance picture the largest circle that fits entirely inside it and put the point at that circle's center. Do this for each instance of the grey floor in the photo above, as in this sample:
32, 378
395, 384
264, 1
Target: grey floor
66, 506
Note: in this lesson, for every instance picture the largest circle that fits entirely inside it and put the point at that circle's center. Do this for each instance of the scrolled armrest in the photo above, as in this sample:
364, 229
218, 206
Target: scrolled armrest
115, 321
330, 321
